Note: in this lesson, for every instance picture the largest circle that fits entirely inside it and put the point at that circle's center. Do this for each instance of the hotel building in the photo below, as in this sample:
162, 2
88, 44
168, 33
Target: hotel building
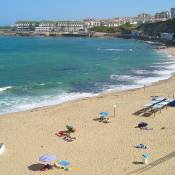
23, 26
50, 26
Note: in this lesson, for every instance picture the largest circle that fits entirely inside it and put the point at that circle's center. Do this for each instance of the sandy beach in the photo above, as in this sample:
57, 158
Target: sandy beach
99, 148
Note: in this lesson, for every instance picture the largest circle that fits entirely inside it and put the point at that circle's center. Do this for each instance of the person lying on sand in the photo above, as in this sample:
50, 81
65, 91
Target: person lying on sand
143, 126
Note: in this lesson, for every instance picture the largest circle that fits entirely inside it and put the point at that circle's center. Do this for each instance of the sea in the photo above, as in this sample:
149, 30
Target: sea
42, 71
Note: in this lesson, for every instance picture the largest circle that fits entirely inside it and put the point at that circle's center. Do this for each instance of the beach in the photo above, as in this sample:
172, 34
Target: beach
99, 148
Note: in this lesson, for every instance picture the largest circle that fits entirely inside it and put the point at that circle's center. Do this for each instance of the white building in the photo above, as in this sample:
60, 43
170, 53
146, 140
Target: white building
50, 26
70, 26
144, 18
163, 16
23, 26
46, 26
90, 23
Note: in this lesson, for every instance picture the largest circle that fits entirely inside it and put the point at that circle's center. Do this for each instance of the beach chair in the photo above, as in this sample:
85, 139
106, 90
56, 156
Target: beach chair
159, 106
162, 104
154, 101
148, 108
145, 110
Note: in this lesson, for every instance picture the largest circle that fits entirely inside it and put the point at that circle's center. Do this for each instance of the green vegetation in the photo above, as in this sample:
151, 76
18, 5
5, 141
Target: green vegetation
124, 29
104, 29
154, 29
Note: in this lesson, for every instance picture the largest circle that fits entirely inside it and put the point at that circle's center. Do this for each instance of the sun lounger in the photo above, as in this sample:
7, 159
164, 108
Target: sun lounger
145, 110
162, 104
149, 106
155, 101
158, 106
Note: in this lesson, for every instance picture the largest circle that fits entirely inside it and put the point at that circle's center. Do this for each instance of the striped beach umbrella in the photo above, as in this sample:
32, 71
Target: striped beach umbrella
47, 158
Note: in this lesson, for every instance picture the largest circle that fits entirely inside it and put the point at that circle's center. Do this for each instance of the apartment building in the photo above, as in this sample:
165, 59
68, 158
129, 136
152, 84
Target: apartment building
24, 26
50, 26
163, 16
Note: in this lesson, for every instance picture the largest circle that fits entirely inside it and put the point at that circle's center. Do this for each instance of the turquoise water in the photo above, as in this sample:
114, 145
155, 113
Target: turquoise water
39, 71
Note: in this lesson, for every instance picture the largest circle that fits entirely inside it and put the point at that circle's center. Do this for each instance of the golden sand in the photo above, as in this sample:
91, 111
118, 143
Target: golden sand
99, 148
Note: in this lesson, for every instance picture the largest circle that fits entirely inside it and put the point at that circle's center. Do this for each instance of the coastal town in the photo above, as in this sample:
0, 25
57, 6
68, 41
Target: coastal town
84, 25
92, 27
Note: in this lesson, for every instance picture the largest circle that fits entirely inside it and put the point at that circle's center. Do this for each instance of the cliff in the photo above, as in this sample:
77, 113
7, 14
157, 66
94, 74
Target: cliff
154, 29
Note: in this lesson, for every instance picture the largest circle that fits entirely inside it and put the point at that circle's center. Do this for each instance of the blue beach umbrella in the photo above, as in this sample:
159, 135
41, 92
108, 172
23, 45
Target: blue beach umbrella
64, 163
47, 158
103, 114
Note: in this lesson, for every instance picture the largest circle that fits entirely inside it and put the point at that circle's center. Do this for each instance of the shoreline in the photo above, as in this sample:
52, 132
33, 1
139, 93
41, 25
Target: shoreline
167, 51
99, 148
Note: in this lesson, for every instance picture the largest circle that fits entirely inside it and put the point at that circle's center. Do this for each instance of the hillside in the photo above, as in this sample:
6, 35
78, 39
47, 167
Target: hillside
155, 29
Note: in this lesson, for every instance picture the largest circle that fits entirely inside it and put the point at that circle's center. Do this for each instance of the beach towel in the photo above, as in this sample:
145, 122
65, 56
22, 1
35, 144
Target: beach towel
141, 146
61, 133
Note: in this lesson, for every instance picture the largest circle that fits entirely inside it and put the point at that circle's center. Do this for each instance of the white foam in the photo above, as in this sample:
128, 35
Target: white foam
112, 49
123, 77
140, 72
150, 80
27, 103
5, 88
170, 56
113, 88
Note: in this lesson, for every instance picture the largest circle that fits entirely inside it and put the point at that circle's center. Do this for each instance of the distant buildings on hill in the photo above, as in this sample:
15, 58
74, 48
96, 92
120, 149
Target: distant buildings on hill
86, 24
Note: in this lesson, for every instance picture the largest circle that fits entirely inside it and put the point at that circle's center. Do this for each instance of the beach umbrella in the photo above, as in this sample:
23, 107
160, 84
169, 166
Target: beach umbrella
47, 158
63, 163
103, 114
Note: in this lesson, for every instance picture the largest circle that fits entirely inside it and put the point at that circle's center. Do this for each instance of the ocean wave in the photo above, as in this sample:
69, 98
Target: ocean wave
112, 49
5, 88
115, 49
141, 72
111, 88
123, 77
27, 103
150, 80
